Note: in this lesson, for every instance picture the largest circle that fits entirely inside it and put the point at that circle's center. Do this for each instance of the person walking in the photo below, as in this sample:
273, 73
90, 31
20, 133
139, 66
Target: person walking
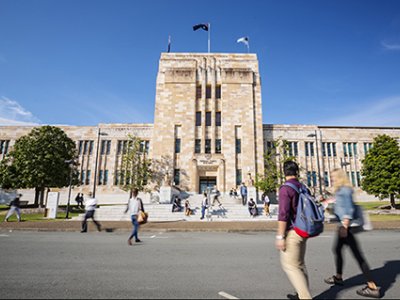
292, 247
90, 208
215, 192
267, 202
243, 193
344, 209
135, 206
15, 207
204, 205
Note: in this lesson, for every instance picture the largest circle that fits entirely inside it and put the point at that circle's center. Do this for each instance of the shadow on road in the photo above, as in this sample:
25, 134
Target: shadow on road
384, 276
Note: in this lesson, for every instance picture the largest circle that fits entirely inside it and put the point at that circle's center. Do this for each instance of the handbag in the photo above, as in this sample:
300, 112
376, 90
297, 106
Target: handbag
360, 221
142, 217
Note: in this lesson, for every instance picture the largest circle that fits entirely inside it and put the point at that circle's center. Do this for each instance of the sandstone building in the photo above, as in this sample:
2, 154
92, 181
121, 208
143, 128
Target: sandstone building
208, 131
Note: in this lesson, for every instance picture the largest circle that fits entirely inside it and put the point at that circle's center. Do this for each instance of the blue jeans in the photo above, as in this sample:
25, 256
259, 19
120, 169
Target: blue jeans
135, 230
203, 211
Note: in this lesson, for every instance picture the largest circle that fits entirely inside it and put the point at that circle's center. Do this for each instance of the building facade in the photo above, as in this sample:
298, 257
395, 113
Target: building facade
208, 131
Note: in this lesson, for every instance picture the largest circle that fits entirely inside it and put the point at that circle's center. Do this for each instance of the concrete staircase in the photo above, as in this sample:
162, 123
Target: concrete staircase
231, 210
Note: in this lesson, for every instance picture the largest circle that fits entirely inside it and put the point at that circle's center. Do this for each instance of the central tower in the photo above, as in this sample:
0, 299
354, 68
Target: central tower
208, 119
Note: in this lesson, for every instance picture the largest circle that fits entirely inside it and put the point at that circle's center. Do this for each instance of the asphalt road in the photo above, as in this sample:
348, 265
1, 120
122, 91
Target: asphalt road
179, 265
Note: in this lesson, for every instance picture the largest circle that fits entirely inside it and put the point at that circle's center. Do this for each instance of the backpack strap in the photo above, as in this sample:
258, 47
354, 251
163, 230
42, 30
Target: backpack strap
292, 186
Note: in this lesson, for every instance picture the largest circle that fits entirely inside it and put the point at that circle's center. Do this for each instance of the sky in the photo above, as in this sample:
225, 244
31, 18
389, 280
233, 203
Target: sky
85, 62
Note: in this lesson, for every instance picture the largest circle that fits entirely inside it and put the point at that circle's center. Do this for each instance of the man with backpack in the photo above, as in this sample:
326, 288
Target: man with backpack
292, 246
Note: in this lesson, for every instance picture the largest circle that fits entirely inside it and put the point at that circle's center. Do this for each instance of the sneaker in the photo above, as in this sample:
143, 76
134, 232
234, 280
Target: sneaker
138, 241
368, 292
83, 231
334, 280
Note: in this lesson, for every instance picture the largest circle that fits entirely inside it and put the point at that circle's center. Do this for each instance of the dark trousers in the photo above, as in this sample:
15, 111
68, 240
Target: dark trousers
90, 215
244, 199
350, 241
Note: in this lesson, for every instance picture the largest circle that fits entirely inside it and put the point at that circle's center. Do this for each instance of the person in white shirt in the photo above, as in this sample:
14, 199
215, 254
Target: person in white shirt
90, 207
135, 205
204, 205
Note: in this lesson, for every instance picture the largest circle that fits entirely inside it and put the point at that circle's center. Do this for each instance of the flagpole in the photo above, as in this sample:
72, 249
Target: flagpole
209, 34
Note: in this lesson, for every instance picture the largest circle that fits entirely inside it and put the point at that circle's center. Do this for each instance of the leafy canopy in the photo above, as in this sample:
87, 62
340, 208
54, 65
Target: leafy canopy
381, 168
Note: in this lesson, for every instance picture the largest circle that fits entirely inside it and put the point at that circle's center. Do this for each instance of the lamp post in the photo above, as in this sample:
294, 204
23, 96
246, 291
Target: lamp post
99, 133
319, 171
70, 162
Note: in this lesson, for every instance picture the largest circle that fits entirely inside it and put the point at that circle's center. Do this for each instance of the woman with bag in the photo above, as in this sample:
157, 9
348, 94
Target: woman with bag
344, 209
135, 207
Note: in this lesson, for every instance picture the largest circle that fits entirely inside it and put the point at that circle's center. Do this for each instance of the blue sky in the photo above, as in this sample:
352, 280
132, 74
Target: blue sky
95, 61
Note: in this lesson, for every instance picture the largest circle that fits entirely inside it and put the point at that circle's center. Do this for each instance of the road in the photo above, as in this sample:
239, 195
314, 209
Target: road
179, 265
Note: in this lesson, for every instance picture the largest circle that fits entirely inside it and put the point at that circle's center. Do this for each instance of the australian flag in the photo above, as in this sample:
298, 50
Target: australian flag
200, 26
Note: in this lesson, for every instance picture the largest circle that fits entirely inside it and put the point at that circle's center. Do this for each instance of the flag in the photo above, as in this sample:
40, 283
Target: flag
169, 43
202, 26
244, 40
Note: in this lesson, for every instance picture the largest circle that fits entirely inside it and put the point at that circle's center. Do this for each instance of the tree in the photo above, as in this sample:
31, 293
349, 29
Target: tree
37, 161
274, 159
381, 169
135, 168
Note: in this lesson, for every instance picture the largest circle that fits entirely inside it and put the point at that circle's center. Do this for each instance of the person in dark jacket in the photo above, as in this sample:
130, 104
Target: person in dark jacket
15, 206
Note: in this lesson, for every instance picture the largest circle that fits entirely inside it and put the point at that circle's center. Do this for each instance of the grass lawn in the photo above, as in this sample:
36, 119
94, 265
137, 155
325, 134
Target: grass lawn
377, 218
372, 205
36, 216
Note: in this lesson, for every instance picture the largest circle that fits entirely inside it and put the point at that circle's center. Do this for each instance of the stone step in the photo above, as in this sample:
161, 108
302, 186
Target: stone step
162, 212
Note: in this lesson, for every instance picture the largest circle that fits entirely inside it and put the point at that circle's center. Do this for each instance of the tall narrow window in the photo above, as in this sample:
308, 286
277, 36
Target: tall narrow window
309, 149
197, 146
103, 147
105, 179
198, 118
100, 179
218, 118
198, 92
238, 146
218, 146
177, 145
208, 91
207, 146
326, 179
88, 173
177, 176
208, 118
238, 176
90, 147
85, 147
218, 91
80, 147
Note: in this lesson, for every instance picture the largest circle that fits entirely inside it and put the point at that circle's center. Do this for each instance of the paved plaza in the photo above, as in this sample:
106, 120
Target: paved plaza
205, 265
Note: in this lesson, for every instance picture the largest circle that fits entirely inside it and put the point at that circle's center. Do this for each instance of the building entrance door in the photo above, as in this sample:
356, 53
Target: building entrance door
207, 182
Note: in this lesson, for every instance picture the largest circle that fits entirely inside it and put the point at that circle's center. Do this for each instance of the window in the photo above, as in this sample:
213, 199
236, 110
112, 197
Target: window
367, 147
80, 147
238, 176
207, 146
238, 146
147, 146
350, 149
90, 147
208, 118
326, 179
85, 147
311, 178
83, 177
218, 118
177, 145
120, 147
105, 179
197, 146
353, 178
105, 147
309, 148
270, 147
198, 118
328, 149
293, 148
100, 179
177, 176
208, 91
198, 92
88, 173
218, 92
358, 179
4, 146
218, 146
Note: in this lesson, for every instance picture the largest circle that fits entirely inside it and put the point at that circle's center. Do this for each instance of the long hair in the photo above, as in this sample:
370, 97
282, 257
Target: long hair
340, 179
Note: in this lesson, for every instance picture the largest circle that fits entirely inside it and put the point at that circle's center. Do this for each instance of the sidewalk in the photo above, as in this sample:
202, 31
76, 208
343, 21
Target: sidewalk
205, 226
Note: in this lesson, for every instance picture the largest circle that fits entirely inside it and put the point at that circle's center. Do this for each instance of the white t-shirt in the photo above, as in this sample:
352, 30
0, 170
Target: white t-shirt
134, 205
90, 204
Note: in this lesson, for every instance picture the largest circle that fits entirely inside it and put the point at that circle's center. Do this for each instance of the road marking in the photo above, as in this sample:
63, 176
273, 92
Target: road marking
4, 235
226, 295
153, 236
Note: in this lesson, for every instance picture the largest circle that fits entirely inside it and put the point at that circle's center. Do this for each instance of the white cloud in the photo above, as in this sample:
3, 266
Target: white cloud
12, 113
388, 46
383, 112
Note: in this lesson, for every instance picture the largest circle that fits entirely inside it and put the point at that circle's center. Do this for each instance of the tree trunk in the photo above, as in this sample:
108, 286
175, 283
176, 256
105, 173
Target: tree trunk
392, 201
37, 193
41, 197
